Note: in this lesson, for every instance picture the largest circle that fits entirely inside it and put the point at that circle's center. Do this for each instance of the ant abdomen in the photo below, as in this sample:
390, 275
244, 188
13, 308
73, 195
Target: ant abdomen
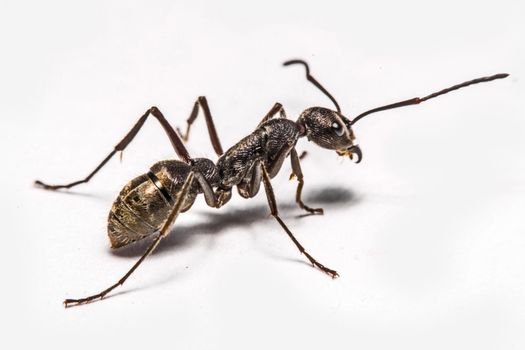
144, 203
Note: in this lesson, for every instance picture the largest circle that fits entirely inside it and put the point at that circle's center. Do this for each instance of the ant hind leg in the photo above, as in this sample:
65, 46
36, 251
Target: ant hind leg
155, 112
164, 231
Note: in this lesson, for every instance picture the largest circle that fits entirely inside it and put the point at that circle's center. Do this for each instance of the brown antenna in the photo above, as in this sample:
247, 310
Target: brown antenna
418, 100
314, 81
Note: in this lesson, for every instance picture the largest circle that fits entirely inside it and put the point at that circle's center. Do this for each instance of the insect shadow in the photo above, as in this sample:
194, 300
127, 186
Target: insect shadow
215, 223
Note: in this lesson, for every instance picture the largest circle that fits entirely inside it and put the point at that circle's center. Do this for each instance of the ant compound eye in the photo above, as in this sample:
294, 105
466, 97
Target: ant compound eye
338, 128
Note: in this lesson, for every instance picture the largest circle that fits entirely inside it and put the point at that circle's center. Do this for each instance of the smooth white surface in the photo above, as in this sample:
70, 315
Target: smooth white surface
427, 232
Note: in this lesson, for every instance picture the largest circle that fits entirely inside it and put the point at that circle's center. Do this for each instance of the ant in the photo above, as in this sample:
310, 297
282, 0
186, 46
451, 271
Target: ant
150, 203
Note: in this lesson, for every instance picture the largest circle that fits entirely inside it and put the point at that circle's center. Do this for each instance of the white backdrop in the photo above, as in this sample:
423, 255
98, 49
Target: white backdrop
427, 232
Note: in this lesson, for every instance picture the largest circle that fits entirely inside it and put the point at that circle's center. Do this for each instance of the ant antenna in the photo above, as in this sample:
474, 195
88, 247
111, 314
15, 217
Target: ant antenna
417, 100
313, 81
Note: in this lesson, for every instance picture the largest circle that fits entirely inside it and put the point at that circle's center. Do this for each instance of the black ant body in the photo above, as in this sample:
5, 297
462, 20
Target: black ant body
151, 202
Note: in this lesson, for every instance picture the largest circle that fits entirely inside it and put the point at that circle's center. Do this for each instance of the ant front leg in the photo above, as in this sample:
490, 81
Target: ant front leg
203, 102
297, 173
121, 146
275, 213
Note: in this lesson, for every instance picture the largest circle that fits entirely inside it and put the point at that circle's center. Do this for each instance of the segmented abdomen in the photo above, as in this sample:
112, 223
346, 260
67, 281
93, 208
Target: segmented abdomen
145, 202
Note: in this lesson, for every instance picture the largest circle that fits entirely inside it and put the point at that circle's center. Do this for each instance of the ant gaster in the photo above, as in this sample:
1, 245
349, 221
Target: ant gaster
151, 202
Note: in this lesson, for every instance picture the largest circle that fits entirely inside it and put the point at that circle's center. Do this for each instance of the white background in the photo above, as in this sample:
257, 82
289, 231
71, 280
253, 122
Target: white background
427, 232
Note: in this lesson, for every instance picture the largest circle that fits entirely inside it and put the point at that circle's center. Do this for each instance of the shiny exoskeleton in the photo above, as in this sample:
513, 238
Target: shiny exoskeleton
150, 203
144, 203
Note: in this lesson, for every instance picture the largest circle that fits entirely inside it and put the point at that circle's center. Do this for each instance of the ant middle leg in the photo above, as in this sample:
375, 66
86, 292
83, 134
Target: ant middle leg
275, 213
297, 173
277, 108
214, 138
155, 112
249, 186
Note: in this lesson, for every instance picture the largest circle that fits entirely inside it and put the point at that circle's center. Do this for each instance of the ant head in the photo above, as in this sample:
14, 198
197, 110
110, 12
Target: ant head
327, 128
330, 129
